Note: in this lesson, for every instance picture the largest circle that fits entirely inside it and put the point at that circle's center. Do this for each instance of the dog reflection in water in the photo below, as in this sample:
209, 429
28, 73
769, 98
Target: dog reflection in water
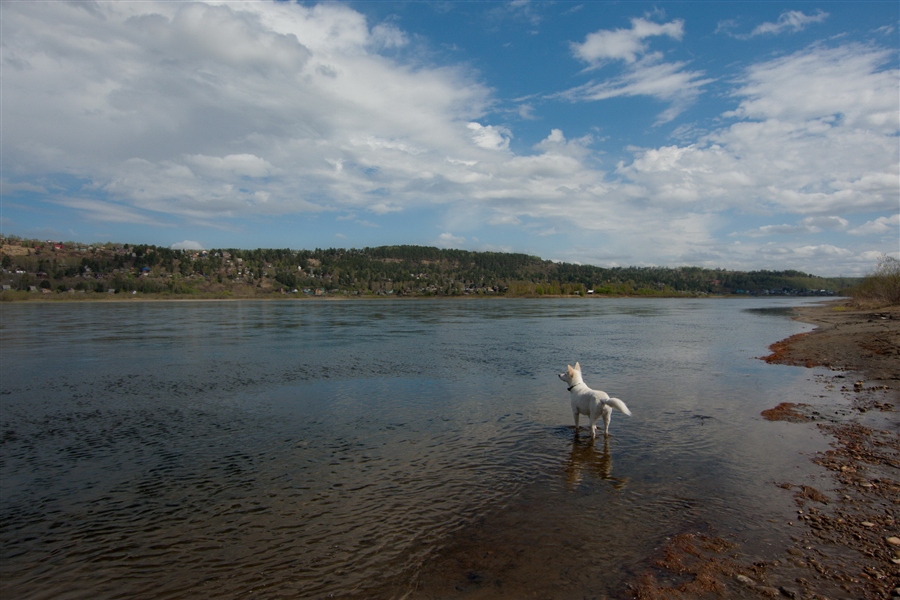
586, 459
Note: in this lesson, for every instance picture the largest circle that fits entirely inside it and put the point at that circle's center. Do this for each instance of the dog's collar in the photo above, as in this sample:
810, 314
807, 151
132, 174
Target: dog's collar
569, 389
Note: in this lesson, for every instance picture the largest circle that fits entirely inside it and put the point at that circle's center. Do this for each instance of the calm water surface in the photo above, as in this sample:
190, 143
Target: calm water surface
385, 448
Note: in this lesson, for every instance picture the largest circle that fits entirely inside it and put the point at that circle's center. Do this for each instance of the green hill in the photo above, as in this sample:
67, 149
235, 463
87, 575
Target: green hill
71, 268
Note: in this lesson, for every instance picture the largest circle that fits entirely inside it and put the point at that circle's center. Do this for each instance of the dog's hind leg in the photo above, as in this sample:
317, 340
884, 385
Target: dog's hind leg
593, 418
607, 417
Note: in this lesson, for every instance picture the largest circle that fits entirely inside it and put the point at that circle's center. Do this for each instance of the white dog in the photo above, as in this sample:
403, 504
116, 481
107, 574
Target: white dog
592, 403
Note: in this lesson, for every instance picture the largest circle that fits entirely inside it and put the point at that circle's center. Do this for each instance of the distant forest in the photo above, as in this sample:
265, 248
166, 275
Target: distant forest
70, 268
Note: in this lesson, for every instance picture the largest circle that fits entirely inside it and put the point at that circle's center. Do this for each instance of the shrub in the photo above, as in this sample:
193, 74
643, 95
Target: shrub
882, 285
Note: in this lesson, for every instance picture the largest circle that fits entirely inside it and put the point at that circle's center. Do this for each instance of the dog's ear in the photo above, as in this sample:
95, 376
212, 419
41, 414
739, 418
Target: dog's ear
577, 366
570, 370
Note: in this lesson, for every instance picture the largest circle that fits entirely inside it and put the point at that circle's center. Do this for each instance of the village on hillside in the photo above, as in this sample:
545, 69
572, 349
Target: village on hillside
30, 268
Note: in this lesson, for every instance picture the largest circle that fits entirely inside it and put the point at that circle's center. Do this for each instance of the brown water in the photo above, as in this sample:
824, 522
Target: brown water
383, 449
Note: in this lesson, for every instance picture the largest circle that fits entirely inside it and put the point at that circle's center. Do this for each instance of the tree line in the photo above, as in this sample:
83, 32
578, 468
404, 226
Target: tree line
402, 270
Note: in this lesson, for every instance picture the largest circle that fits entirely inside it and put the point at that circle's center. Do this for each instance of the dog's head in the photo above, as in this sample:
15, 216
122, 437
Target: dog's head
571, 373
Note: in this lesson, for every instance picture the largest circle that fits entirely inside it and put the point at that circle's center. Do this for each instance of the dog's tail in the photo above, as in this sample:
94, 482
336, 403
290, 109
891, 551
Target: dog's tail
619, 405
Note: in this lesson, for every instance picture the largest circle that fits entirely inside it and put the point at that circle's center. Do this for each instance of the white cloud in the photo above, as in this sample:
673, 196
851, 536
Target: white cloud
809, 225
880, 226
109, 212
187, 245
194, 109
823, 250
840, 86
448, 240
210, 114
241, 165
646, 74
831, 223
667, 82
767, 230
386, 35
8, 189
815, 134
792, 20
490, 137
624, 44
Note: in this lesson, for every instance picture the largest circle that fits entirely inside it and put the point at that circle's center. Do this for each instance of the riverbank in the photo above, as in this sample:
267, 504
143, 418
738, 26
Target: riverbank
846, 540
848, 537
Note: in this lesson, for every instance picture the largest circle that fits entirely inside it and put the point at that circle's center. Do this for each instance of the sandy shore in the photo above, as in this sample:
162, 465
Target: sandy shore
846, 535
848, 540
847, 338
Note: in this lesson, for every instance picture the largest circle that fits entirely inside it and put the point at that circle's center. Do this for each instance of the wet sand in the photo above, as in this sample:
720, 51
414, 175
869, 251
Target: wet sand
847, 536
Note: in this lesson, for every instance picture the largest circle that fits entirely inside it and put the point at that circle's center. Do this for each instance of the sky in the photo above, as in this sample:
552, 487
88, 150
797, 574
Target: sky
741, 135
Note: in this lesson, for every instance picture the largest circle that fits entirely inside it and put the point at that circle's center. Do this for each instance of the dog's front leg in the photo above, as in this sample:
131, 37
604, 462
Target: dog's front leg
577, 416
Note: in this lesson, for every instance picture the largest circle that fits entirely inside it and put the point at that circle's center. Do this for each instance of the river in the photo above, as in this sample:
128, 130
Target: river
314, 449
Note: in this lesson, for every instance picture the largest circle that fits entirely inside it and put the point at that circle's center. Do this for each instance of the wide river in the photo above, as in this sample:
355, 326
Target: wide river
385, 449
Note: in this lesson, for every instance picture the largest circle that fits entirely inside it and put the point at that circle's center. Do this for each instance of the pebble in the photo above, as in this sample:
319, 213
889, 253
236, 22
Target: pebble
745, 580
788, 592
867, 524
893, 541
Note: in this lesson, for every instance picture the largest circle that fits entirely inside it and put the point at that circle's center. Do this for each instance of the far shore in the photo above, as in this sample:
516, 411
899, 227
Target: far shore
38, 298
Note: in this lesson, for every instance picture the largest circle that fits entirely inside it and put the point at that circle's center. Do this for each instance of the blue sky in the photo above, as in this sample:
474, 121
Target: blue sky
742, 135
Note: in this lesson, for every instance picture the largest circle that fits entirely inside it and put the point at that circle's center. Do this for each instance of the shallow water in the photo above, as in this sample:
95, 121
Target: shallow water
316, 449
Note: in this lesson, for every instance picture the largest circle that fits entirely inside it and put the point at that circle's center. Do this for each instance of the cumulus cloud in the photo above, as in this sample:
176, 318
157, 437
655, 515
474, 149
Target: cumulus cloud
490, 137
196, 108
814, 133
624, 44
187, 245
448, 240
215, 113
880, 226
